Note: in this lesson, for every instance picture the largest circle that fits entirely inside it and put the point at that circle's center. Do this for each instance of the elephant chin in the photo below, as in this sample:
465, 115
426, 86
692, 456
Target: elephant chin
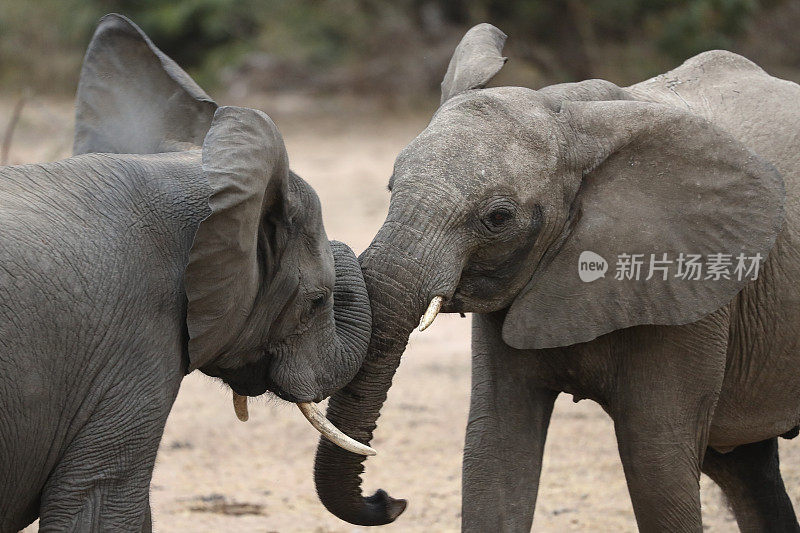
247, 380
254, 379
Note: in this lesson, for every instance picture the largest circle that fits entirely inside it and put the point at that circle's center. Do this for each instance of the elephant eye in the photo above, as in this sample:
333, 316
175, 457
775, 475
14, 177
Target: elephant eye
319, 300
498, 217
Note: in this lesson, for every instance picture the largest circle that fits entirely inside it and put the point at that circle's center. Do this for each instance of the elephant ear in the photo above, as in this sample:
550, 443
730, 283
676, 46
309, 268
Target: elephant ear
245, 163
475, 62
653, 182
134, 99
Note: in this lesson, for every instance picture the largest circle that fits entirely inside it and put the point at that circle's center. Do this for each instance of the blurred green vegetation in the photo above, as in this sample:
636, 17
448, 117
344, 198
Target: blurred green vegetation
399, 46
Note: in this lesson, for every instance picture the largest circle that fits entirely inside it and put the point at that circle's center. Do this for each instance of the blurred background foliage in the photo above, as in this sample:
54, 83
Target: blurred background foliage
396, 48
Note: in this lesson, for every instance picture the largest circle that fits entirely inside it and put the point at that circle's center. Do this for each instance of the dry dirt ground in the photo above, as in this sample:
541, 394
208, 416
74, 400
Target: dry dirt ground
216, 474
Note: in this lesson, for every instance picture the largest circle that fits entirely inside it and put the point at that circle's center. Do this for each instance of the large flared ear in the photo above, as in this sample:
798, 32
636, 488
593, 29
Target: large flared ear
134, 99
245, 163
475, 62
670, 220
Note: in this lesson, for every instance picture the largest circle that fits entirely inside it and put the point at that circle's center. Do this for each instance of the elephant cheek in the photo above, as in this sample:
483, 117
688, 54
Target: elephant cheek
292, 378
494, 283
312, 370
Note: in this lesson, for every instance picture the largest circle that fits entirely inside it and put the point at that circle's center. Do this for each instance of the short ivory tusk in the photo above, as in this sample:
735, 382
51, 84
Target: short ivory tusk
430, 313
330, 432
240, 407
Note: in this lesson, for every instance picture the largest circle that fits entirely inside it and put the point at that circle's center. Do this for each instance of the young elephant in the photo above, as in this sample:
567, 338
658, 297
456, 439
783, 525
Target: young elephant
513, 203
119, 274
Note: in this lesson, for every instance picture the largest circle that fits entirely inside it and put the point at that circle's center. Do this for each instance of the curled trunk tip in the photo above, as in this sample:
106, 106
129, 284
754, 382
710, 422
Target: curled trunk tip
376, 510
390, 508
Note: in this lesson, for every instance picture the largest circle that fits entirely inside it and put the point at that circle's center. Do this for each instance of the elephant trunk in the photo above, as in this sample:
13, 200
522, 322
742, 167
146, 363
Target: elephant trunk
395, 281
353, 323
352, 317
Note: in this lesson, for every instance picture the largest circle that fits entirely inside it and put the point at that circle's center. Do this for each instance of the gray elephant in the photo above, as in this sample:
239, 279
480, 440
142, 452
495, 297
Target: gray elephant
186, 244
535, 210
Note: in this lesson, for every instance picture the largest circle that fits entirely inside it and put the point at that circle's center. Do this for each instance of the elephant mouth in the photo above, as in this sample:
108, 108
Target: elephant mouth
254, 379
246, 380
245, 389
264, 386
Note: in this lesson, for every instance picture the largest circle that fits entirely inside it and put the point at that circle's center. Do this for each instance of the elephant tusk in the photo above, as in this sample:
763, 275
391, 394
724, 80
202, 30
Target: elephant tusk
240, 407
430, 313
331, 432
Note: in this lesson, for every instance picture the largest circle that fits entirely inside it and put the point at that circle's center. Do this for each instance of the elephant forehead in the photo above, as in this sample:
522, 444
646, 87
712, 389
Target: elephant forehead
316, 258
474, 156
485, 135
498, 116
305, 206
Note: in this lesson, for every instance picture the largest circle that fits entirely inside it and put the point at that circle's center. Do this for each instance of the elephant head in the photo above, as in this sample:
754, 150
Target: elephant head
493, 204
271, 304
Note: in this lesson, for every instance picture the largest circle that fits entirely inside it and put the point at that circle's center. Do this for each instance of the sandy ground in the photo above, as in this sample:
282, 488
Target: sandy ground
215, 473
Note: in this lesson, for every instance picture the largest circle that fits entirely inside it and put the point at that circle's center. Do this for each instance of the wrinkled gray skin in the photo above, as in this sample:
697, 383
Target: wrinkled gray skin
491, 206
121, 273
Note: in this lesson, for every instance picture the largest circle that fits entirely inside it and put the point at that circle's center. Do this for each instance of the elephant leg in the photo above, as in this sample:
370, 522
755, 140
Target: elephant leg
665, 392
147, 525
663, 473
750, 477
111, 501
102, 480
508, 420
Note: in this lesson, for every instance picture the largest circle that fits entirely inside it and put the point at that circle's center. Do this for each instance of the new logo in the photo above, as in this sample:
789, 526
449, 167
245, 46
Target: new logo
591, 266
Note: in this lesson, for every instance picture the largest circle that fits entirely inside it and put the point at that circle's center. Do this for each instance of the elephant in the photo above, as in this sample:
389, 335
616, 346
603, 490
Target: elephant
175, 239
635, 246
